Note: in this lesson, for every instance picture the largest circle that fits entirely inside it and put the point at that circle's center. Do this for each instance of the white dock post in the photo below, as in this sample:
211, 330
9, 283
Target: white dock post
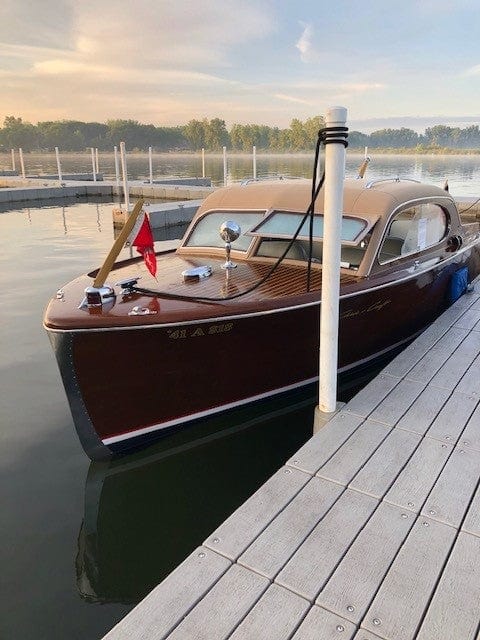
22, 165
59, 167
117, 170
150, 164
329, 309
254, 162
96, 160
94, 169
123, 159
203, 162
224, 166
13, 159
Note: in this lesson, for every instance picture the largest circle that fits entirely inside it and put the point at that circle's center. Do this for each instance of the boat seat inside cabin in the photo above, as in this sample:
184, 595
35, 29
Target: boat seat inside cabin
393, 245
351, 257
298, 251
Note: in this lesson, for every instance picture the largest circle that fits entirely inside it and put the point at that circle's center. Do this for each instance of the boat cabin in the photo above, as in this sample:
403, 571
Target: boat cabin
386, 224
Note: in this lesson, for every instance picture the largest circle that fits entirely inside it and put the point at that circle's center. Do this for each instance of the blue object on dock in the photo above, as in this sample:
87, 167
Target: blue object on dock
458, 284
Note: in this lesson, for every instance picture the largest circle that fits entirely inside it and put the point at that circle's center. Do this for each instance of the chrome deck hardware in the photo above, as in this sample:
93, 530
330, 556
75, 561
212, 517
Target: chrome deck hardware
127, 285
197, 273
229, 232
97, 297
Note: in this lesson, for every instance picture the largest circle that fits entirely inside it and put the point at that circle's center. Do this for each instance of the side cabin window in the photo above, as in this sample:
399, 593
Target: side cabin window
206, 232
413, 230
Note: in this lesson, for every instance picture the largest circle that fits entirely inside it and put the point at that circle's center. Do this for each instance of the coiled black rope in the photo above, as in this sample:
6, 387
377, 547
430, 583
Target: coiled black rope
327, 135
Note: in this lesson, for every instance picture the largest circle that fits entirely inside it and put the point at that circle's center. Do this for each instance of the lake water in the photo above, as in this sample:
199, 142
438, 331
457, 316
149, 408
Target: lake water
462, 171
81, 543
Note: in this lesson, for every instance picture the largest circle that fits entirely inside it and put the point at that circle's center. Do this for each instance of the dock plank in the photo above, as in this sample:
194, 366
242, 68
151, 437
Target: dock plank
449, 375
455, 608
311, 566
235, 534
353, 454
470, 437
323, 625
276, 616
233, 595
471, 524
363, 634
372, 395
424, 410
408, 358
355, 581
159, 613
453, 491
279, 541
435, 359
325, 443
453, 417
397, 402
470, 382
399, 605
470, 320
377, 476
414, 483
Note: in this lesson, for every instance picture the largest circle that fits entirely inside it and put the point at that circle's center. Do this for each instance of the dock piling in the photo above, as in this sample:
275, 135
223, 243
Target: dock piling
123, 159
22, 164
94, 168
59, 167
333, 208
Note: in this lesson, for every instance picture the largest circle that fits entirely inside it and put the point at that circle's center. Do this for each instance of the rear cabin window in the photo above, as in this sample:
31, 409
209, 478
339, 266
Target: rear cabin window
206, 233
413, 230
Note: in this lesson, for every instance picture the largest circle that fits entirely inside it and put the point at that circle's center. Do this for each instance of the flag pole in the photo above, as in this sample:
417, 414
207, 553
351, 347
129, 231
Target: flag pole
117, 246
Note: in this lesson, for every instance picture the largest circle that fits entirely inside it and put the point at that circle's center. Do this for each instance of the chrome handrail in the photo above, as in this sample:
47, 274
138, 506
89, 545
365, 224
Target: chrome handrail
371, 183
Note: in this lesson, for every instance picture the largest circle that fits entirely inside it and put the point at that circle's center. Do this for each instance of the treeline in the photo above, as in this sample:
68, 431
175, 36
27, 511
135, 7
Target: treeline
212, 135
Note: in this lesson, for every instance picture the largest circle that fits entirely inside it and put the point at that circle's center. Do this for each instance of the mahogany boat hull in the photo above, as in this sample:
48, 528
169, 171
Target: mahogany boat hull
129, 386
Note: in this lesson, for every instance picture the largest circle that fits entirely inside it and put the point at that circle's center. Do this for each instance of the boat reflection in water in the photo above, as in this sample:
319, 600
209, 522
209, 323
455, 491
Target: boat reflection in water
146, 512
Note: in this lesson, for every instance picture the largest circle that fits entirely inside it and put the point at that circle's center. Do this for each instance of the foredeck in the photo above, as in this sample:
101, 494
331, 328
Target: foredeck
372, 530
215, 296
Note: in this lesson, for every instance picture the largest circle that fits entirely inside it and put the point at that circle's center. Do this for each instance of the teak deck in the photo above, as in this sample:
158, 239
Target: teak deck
372, 530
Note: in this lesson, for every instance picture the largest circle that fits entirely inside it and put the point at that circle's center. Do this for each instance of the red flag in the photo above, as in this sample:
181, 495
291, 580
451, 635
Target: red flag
142, 239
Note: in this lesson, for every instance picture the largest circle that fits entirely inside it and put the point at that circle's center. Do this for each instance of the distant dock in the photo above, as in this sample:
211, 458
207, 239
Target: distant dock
17, 189
370, 531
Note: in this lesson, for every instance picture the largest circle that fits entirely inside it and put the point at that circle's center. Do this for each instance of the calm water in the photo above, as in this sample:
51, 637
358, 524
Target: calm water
76, 535
462, 172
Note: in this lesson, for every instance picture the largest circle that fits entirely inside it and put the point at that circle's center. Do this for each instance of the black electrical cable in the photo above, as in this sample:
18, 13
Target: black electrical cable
472, 205
327, 135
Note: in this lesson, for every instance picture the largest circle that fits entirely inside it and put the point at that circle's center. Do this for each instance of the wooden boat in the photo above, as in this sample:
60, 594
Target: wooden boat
231, 322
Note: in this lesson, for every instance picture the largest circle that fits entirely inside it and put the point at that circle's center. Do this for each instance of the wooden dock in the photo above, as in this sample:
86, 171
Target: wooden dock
371, 531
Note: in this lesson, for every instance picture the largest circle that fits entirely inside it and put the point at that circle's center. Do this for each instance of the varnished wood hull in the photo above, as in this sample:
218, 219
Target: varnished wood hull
130, 385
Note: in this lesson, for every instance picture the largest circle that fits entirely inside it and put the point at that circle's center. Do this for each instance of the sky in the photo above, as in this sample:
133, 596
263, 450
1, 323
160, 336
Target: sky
413, 63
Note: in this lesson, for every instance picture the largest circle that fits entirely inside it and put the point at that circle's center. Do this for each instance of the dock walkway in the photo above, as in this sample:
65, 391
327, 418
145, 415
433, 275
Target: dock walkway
372, 530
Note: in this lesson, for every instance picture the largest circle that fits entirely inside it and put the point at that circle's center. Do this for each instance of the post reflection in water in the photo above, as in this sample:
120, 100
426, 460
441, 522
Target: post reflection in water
146, 512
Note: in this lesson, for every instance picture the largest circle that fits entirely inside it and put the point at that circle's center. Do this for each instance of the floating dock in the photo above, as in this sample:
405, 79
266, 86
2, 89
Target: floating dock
371, 531
17, 189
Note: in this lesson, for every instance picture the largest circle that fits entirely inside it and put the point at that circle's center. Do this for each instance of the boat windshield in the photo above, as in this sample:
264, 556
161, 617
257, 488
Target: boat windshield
206, 232
283, 224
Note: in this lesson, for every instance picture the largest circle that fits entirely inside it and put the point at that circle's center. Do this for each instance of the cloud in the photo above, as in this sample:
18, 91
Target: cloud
283, 96
472, 71
305, 46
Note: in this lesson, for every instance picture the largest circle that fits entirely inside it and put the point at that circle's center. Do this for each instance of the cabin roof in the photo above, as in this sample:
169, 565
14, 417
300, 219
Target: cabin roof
294, 195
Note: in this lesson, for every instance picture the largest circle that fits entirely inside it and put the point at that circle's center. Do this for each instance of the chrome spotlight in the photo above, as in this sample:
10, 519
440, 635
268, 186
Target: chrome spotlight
229, 232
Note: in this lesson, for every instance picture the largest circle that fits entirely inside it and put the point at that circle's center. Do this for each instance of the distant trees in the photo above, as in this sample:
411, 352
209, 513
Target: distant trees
73, 135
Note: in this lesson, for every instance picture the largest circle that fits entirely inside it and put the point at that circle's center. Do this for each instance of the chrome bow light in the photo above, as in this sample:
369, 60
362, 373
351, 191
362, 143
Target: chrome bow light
229, 232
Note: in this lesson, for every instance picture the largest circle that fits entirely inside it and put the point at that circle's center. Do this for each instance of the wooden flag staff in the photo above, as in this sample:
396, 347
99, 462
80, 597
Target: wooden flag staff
117, 245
